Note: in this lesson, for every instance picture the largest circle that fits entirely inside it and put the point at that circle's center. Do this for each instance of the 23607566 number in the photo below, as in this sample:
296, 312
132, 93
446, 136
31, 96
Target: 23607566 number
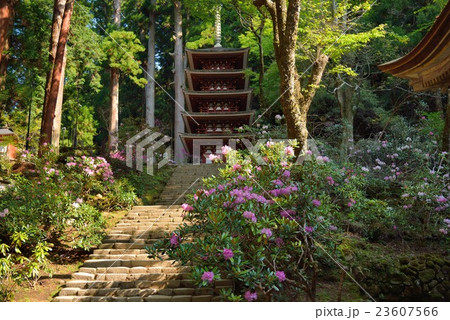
406, 311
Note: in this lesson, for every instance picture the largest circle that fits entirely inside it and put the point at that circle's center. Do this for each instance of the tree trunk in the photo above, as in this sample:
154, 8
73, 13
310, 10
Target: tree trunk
179, 83
6, 24
49, 115
344, 95
446, 135
113, 142
113, 138
58, 13
56, 132
150, 87
295, 100
262, 102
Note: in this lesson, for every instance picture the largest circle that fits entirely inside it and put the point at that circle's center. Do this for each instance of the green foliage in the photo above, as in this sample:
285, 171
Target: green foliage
54, 205
121, 49
273, 217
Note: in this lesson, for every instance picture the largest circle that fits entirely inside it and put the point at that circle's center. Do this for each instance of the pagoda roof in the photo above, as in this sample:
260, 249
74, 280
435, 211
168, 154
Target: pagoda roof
187, 138
190, 118
193, 76
427, 66
219, 49
192, 96
220, 53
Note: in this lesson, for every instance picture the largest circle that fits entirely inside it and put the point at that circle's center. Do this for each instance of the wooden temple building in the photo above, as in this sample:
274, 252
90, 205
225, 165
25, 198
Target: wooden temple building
427, 66
217, 99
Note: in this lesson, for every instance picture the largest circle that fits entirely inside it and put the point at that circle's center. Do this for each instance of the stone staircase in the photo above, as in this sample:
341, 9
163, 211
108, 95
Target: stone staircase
120, 270
183, 179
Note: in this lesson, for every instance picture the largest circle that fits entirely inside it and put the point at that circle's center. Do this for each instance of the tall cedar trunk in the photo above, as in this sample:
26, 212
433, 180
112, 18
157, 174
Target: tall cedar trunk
262, 102
6, 24
113, 139
446, 135
150, 87
179, 83
295, 100
58, 13
48, 117
56, 131
344, 95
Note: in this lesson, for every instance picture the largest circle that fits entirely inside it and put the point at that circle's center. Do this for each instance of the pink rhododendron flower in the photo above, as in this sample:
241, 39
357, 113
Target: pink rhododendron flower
333, 228
443, 231
269, 144
330, 180
309, 229
250, 296
441, 199
213, 157
228, 254
286, 173
351, 202
249, 215
226, 150
281, 276
267, 232
279, 242
236, 167
195, 197
4, 213
316, 203
187, 207
287, 213
208, 276
174, 240
289, 151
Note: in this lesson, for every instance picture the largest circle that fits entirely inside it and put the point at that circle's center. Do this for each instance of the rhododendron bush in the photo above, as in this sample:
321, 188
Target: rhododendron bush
266, 225
53, 204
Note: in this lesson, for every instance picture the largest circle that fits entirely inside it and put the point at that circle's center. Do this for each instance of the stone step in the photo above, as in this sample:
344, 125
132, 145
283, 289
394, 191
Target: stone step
118, 292
151, 298
108, 263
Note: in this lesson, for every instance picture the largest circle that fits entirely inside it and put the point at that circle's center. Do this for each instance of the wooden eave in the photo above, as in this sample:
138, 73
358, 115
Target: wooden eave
218, 52
187, 138
238, 74
188, 118
188, 94
427, 66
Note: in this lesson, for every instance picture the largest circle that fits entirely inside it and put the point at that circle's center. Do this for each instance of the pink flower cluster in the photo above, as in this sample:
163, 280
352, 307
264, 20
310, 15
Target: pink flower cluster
227, 253
250, 215
187, 207
4, 213
283, 191
250, 296
245, 194
267, 232
208, 276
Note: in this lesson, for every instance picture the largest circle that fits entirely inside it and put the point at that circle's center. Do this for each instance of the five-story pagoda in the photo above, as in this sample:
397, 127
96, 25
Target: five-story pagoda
217, 98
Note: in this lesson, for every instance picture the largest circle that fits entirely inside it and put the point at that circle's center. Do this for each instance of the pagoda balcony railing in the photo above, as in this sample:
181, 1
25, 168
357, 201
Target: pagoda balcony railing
215, 127
229, 64
215, 131
218, 106
218, 109
218, 85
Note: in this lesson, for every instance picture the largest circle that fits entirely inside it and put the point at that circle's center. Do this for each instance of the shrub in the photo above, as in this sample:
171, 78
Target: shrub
54, 205
265, 226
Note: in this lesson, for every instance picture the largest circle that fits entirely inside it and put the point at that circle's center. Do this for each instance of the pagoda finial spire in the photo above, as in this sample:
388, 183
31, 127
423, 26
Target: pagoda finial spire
218, 27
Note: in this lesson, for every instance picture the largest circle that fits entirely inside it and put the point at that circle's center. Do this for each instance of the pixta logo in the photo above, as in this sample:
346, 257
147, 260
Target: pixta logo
143, 147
